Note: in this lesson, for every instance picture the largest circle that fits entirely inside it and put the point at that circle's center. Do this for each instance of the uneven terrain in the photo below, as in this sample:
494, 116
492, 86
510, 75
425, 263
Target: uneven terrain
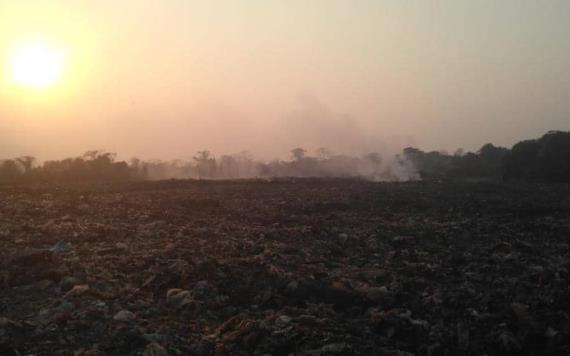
301, 267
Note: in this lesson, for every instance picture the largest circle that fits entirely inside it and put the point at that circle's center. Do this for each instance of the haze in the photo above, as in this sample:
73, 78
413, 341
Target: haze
165, 79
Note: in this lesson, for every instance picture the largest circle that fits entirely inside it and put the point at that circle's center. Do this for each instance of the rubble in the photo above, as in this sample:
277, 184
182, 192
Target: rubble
77, 291
284, 267
178, 297
125, 316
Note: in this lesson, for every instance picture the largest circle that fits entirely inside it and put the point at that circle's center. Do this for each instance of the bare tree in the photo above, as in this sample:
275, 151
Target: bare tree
205, 163
323, 153
298, 153
27, 163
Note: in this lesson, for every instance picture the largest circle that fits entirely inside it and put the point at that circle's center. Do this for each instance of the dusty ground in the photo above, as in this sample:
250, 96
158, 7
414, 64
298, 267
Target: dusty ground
303, 267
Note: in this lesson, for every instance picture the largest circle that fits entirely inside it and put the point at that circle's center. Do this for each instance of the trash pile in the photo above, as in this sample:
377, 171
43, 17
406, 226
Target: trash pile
285, 267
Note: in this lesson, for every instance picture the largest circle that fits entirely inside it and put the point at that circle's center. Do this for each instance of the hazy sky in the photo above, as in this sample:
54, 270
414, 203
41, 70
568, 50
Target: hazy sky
162, 79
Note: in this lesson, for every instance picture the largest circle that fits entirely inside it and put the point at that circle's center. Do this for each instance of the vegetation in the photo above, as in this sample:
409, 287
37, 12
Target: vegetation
546, 159
92, 166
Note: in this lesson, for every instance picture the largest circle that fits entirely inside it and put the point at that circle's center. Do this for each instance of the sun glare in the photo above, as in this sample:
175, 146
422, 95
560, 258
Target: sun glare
36, 65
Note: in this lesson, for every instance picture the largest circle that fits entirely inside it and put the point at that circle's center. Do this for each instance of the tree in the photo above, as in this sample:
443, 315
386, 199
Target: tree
27, 163
9, 170
553, 158
546, 159
228, 167
521, 162
205, 164
323, 153
491, 160
373, 157
298, 153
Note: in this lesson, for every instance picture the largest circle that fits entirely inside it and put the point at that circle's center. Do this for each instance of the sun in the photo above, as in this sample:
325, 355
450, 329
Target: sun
36, 65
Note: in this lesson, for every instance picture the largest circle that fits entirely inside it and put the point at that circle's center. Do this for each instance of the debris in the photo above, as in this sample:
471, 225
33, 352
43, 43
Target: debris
61, 247
67, 283
154, 349
403, 238
77, 291
376, 293
294, 267
282, 321
520, 310
550, 333
178, 297
462, 336
336, 348
125, 316
536, 269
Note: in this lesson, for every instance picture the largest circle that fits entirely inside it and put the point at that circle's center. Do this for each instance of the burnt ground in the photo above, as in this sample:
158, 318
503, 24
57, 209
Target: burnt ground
302, 267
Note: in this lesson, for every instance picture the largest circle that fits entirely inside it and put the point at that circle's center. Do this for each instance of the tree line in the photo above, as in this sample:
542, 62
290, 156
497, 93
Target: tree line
546, 159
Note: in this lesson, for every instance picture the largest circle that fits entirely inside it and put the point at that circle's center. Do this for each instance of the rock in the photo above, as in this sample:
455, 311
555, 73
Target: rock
376, 294
8, 323
526, 246
462, 336
154, 349
520, 310
155, 338
293, 285
308, 320
536, 269
66, 306
375, 274
44, 284
282, 321
501, 246
407, 315
61, 247
203, 347
67, 283
61, 317
403, 238
44, 316
202, 289
124, 340
77, 291
178, 297
509, 343
125, 316
122, 246
101, 307
550, 333
88, 352
335, 348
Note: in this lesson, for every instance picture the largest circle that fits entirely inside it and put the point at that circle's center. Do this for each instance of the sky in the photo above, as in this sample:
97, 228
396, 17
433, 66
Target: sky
163, 79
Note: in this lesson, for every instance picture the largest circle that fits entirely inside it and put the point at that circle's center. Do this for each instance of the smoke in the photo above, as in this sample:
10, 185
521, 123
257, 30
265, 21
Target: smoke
313, 125
242, 166
401, 169
245, 138
336, 144
310, 141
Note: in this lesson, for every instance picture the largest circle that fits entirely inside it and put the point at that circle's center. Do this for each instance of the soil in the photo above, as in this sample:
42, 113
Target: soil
285, 267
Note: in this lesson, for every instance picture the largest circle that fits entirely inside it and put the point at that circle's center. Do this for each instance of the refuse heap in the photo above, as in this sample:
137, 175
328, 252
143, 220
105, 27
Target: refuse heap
284, 267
